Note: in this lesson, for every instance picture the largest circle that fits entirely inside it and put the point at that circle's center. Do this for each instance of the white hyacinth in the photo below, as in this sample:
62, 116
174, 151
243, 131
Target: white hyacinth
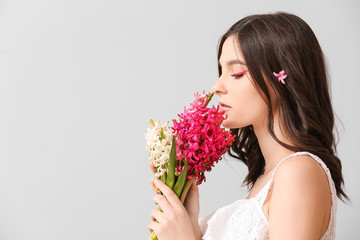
158, 143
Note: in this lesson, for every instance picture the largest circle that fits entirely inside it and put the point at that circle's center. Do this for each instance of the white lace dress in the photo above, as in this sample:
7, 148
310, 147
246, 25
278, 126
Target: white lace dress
245, 219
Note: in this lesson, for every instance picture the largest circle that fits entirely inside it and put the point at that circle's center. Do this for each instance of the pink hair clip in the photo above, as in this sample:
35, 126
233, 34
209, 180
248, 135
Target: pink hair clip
281, 76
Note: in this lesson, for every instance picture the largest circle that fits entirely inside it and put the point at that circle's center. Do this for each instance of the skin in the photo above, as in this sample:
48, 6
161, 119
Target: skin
298, 204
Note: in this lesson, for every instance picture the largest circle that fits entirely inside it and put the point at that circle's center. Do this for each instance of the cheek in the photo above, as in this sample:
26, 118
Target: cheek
248, 108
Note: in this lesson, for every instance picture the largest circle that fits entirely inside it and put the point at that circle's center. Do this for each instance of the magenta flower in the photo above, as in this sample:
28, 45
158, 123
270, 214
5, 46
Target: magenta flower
199, 137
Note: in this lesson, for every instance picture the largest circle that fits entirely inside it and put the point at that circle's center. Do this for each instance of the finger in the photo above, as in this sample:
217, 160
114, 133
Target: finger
151, 165
154, 188
153, 226
162, 202
194, 187
157, 215
193, 192
168, 192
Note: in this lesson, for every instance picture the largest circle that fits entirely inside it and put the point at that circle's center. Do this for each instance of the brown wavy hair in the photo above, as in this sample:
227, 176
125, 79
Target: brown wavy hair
271, 43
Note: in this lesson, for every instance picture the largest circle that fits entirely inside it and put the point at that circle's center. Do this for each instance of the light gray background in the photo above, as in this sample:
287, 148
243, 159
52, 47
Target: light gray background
79, 81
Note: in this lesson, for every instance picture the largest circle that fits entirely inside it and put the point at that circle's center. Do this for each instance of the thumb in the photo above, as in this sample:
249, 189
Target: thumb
194, 190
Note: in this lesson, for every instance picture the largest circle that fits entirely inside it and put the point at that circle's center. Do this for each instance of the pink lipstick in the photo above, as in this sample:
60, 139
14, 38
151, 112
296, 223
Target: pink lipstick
224, 107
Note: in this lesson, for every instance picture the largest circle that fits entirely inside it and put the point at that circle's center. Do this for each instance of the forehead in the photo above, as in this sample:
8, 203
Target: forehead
231, 50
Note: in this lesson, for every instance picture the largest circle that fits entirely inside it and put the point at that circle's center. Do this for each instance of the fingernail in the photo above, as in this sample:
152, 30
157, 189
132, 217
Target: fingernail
156, 181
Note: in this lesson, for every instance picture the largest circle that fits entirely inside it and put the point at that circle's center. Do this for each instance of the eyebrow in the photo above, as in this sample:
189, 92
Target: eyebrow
232, 62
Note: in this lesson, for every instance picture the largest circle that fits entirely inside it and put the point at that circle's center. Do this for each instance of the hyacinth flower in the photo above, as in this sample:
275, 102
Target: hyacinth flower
197, 143
158, 143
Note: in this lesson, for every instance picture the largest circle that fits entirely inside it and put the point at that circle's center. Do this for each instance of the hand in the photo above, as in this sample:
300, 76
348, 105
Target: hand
191, 203
174, 222
192, 206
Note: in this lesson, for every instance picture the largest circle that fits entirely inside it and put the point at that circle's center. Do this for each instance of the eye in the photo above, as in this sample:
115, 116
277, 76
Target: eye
239, 74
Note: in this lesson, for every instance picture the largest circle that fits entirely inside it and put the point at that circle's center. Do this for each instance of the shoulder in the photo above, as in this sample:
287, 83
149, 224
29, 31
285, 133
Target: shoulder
299, 169
300, 198
301, 175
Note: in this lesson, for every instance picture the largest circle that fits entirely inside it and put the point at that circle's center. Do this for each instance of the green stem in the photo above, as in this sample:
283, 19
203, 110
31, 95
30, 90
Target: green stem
153, 236
209, 98
186, 189
163, 177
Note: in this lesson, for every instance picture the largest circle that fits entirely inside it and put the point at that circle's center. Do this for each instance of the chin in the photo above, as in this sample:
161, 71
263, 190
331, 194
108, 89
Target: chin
228, 123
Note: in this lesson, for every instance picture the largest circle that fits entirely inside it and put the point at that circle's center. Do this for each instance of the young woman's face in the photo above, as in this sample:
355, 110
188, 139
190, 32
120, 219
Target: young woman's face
242, 103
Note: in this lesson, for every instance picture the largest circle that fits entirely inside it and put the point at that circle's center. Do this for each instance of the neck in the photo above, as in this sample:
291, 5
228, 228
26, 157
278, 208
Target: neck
272, 151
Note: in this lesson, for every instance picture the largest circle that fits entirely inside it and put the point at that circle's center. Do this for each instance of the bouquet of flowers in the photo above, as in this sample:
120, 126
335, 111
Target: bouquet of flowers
181, 154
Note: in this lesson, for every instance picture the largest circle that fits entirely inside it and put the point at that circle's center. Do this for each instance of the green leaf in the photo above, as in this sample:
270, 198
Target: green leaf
171, 165
152, 123
181, 180
162, 136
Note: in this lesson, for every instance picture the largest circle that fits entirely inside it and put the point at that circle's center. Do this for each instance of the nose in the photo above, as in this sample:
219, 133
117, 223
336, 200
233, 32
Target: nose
219, 87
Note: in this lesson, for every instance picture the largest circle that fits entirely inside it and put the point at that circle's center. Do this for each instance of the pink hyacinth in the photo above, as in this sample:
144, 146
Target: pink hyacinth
281, 76
199, 137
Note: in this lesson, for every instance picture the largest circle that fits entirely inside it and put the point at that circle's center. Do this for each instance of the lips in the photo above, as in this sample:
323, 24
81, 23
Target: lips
224, 107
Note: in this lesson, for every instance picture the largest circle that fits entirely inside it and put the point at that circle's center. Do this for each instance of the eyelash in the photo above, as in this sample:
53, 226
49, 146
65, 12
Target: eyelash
239, 75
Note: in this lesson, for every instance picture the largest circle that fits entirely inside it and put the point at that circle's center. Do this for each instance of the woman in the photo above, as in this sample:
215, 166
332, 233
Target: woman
274, 90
